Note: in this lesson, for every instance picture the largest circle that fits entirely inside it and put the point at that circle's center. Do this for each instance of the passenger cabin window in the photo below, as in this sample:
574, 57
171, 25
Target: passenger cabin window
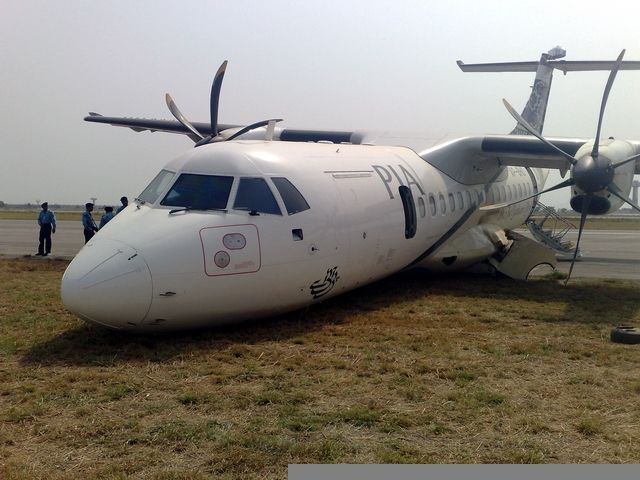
255, 195
422, 207
200, 192
156, 187
443, 205
292, 198
432, 204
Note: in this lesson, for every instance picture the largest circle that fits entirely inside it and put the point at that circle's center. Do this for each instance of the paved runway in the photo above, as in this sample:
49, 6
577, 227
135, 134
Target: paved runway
20, 237
605, 253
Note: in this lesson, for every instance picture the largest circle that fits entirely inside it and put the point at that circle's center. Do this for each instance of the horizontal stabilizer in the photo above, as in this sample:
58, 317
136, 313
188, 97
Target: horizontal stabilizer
562, 65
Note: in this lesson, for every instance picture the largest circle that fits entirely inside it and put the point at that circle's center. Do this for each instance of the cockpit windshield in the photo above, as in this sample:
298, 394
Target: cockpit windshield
199, 192
156, 187
255, 195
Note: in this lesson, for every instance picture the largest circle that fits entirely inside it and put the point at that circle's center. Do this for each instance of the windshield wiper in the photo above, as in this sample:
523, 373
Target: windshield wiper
188, 209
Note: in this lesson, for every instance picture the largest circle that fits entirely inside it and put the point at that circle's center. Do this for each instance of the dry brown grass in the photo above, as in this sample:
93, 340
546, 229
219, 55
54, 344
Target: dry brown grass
412, 369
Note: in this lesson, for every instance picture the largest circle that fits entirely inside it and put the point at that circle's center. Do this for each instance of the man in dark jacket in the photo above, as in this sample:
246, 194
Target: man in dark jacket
47, 222
88, 223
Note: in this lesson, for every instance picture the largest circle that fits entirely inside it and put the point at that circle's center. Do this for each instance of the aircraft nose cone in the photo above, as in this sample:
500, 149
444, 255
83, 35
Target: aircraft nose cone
108, 283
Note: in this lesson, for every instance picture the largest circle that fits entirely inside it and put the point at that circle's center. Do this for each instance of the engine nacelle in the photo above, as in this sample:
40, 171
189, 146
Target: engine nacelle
603, 202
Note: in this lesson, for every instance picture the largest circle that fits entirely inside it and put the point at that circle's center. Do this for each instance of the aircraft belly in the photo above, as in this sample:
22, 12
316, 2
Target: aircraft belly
187, 300
472, 246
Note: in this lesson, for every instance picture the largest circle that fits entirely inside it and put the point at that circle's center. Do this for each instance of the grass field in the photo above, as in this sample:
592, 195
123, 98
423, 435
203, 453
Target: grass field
412, 369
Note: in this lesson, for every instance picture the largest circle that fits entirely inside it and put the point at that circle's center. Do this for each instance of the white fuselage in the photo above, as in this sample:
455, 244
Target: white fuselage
150, 269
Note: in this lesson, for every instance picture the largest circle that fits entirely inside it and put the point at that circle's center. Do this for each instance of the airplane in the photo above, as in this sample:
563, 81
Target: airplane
258, 220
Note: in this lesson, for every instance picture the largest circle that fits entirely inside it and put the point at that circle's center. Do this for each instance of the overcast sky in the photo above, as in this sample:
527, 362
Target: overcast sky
342, 65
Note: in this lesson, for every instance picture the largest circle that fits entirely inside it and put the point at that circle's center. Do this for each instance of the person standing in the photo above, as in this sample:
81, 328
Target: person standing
108, 215
88, 224
125, 202
47, 222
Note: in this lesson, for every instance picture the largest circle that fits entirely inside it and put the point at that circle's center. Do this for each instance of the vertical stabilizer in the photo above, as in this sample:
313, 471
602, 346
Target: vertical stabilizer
536, 108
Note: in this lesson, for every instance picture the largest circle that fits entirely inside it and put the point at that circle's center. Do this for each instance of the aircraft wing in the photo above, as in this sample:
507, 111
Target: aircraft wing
450, 157
153, 125
173, 126
527, 151
474, 159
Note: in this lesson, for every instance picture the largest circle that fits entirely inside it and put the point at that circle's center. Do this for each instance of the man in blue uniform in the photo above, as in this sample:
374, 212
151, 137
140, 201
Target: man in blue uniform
47, 222
88, 224
125, 202
108, 215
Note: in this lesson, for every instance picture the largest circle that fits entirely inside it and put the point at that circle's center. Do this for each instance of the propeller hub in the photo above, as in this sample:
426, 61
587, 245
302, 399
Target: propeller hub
592, 173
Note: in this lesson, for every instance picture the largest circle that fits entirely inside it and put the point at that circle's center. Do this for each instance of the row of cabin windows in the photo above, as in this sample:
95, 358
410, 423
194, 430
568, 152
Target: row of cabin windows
508, 193
463, 200
211, 192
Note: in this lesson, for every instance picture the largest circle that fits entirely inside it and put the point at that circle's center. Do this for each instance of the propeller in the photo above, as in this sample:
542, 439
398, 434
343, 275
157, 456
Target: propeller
214, 101
590, 173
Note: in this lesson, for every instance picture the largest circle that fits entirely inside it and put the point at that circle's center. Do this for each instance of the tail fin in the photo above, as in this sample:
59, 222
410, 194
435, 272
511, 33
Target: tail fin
536, 108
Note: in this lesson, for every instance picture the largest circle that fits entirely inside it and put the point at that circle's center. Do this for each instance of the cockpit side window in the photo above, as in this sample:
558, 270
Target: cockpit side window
293, 199
255, 195
156, 187
200, 192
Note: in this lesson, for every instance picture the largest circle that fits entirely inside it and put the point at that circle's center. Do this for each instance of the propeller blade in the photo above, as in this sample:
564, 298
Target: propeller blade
253, 126
630, 159
583, 218
173, 108
605, 96
567, 183
618, 193
215, 97
533, 132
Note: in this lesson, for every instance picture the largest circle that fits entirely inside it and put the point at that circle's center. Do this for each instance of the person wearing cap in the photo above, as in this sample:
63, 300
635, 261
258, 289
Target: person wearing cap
47, 222
108, 215
125, 202
88, 224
